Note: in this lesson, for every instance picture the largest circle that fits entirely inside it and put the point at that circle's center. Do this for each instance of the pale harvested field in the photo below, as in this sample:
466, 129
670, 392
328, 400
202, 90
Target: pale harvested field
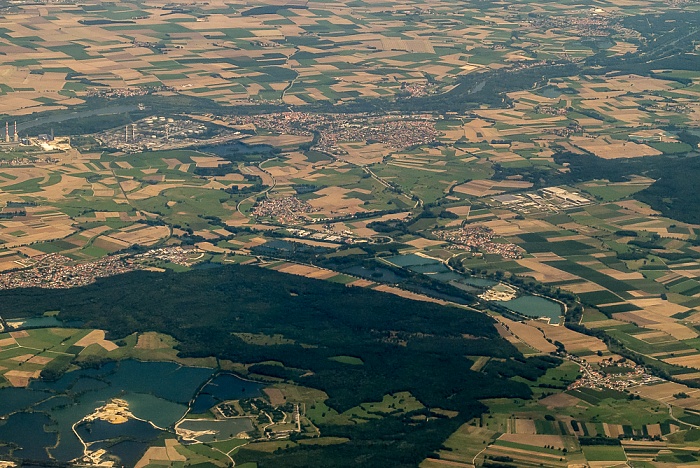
676, 330
332, 200
40, 360
150, 340
96, 337
422, 242
23, 174
460, 210
634, 317
7, 342
22, 358
172, 163
124, 165
21, 378
104, 215
655, 334
482, 188
208, 161
637, 207
658, 306
665, 391
524, 427
307, 271
278, 140
276, 396
692, 361
614, 149
691, 376
145, 236
362, 154
10, 265
64, 187
543, 272
100, 190
613, 430
30, 252
583, 287
689, 403
407, 294
620, 275
19, 334
153, 454
529, 335
209, 247
572, 340
361, 283
95, 231
129, 185
654, 430
168, 453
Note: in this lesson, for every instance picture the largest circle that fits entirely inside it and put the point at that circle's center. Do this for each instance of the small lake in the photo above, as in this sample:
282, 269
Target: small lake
411, 260
156, 391
478, 282
161, 412
223, 429
447, 277
222, 388
98, 430
128, 451
27, 431
534, 306
430, 269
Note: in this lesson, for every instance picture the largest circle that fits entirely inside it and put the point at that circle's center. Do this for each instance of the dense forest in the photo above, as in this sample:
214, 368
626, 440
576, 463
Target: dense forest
405, 345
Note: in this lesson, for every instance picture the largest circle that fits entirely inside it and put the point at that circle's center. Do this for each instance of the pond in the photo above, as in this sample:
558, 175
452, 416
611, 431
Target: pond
478, 282
98, 430
156, 391
224, 387
217, 429
535, 306
27, 430
554, 92
412, 260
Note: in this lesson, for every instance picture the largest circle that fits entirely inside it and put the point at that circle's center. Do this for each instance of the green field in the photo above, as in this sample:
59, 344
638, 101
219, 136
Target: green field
604, 453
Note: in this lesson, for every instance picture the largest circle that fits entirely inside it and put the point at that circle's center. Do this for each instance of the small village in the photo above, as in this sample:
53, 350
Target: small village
475, 238
286, 210
622, 376
55, 271
393, 131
